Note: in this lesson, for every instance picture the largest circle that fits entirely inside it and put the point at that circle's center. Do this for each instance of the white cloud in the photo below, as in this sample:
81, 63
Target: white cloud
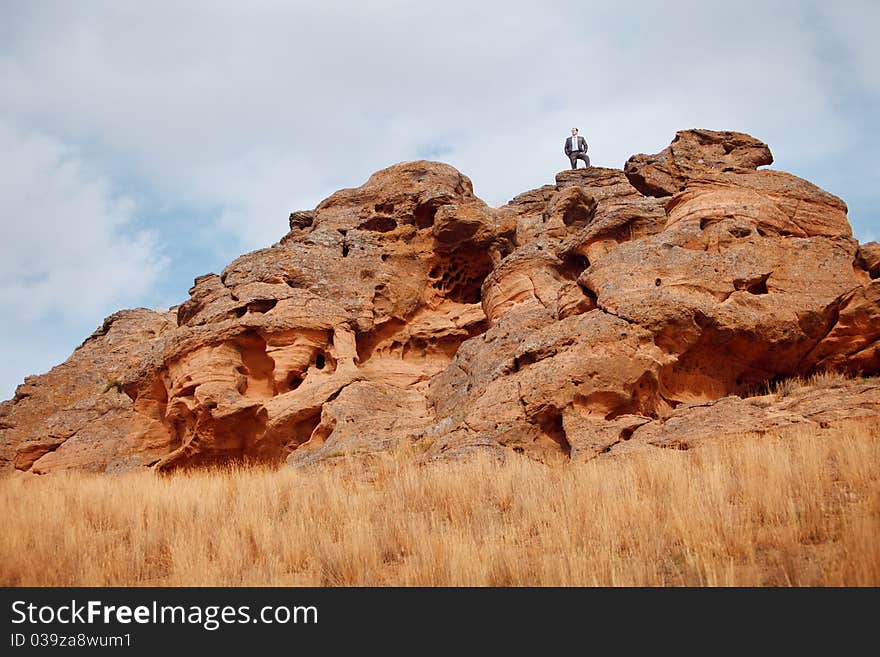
68, 256
185, 92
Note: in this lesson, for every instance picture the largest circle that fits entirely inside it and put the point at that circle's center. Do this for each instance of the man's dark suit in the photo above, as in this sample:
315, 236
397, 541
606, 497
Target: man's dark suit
579, 152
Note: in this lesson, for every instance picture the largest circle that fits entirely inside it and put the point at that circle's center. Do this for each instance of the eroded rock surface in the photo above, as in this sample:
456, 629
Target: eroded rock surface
610, 311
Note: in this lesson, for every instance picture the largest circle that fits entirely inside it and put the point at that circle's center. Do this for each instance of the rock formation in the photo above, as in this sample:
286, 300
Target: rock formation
614, 310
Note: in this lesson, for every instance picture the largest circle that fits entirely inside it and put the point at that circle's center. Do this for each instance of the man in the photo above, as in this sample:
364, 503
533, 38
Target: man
576, 149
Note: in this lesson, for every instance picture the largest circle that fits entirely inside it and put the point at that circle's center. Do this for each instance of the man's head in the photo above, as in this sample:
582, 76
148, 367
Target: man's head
574, 132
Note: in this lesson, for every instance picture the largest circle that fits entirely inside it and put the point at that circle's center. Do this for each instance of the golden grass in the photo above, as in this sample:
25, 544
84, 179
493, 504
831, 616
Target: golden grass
794, 509
816, 380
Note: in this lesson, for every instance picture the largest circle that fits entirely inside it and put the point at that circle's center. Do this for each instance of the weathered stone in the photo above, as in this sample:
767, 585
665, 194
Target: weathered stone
76, 415
581, 319
868, 259
811, 407
694, 153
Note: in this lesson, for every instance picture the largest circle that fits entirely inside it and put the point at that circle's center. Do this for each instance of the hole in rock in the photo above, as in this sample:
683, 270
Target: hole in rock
303, 430
519, 450
379, 224
262, 305
320, 361
241, 311
528, 358
384, 208
590, 293
739, 231
573, 265
460, 277
705, 222
424, 214
756, 285
759, 287
384, 257
657, 282
345, 250
258, 365
295, 381
550, 423
575, 215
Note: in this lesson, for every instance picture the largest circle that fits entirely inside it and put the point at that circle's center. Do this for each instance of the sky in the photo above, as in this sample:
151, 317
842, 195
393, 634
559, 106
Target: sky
145, 143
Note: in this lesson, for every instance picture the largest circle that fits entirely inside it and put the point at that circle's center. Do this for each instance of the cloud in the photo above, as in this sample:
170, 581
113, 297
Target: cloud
67, 257
234, 114
188, 95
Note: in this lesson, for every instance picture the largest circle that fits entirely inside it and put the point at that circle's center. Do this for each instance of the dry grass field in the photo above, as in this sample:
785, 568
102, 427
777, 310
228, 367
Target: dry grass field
785, 510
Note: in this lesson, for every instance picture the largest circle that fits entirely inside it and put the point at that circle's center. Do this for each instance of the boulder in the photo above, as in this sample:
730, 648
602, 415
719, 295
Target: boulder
694, 153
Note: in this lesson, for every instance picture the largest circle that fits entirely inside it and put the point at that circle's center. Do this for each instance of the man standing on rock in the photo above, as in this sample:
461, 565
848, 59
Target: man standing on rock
576, 149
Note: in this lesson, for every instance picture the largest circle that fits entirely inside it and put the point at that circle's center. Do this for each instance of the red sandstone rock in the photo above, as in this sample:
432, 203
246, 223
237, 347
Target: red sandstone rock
811, 407
868, 259
76, 416
852, 339
580, 319
691, 154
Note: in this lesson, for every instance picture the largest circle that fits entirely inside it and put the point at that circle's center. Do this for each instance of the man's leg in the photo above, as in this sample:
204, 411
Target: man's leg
574, 162
585, 158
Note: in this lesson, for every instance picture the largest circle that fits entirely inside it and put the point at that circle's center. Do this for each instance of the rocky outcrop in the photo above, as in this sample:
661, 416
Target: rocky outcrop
610, 311
868, 259
695, 153
77, 416
811, 407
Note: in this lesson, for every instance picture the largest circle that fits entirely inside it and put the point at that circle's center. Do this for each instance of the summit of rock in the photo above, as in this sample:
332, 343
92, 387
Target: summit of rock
612, 310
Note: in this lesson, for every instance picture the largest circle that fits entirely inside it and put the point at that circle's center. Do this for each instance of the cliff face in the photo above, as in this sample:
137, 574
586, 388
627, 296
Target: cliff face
612, 311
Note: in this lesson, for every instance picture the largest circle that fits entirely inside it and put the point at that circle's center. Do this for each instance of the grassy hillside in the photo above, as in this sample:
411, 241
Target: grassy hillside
800, 508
